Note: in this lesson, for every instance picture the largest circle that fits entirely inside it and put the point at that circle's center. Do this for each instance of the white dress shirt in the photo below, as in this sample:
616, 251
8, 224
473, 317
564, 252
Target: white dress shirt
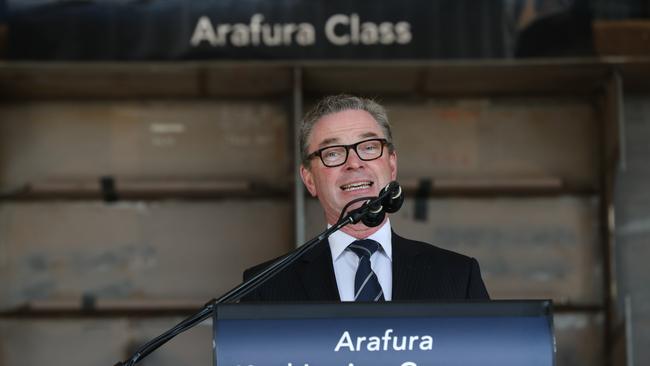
346, 262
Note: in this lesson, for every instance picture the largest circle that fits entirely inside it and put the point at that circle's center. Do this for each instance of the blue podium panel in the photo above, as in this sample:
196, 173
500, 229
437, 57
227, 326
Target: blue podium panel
497, 333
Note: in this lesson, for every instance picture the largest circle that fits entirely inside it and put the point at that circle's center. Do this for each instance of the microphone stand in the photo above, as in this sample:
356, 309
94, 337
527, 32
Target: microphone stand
246, 287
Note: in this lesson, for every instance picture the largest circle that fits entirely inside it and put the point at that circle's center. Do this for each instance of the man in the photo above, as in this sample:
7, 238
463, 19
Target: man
347, 152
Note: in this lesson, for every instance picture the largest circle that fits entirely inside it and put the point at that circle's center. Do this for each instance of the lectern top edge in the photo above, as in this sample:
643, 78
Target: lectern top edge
505, 308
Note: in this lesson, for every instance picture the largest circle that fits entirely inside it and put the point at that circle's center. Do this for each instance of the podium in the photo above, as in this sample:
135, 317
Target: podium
494, 333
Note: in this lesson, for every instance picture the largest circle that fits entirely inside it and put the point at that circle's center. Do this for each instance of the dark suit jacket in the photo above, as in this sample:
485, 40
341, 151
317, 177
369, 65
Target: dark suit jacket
421, 271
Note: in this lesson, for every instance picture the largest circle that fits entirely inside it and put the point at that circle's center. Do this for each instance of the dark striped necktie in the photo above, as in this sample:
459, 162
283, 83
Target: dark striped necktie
366, 284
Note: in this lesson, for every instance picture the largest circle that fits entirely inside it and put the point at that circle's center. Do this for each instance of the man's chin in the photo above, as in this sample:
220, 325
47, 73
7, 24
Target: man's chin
355, 205
347, 198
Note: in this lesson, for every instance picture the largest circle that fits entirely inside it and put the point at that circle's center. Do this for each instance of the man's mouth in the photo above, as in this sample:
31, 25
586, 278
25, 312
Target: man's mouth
356, 186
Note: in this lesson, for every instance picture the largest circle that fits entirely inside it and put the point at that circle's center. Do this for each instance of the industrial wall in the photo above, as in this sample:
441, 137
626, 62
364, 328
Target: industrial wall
125, 208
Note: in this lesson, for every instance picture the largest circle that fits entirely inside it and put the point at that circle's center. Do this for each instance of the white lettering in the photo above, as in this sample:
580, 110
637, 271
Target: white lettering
306, 35
409, 363
330, 31
204, 31
256, 24
411, 340
426, 343
354, 28
343, 30
386, 337
386, 34
286, 33
240, 35
222, 33
369, 33
340, 30
403, 30
399, 347
360, 342
386, 342
345, 341
374, 344
255, 33
272, 36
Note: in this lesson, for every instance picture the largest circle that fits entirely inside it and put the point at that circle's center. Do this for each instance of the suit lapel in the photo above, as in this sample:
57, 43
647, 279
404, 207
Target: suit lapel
405, 279
317, 274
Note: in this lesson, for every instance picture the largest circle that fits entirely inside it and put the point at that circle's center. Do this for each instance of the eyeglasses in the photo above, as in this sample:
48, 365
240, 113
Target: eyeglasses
337, 155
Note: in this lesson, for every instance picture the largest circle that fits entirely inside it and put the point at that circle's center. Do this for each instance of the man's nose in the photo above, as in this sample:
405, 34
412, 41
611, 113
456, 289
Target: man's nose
353, 161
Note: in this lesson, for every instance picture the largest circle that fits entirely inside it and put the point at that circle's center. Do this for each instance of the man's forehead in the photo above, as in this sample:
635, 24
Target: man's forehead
345, 127
336, 140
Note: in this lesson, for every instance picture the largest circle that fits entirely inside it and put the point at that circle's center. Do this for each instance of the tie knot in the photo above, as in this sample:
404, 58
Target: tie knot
364, 248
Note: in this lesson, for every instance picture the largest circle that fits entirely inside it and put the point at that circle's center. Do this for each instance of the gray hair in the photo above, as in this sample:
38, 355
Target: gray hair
339, 103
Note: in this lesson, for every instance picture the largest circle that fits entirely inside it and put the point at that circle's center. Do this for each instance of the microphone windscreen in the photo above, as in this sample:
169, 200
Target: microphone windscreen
395, 198
373, 219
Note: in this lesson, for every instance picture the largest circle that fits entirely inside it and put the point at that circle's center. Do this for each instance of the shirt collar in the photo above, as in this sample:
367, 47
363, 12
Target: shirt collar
339, 241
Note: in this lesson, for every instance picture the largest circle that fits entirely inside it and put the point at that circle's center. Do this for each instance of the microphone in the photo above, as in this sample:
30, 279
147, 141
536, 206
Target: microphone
394, 199
389, 200
374, 216
373, 211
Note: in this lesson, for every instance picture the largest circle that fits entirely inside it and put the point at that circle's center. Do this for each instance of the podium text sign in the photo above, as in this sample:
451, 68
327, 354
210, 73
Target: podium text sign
497, 333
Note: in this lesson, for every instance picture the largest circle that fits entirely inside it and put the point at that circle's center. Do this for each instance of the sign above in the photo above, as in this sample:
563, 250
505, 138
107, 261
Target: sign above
260, 29
339, 30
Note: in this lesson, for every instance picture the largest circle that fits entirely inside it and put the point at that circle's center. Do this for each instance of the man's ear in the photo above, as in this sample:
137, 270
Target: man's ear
308, 179
392, 161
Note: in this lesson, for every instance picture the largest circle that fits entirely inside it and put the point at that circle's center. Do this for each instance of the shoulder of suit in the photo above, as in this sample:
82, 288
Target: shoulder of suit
420, 248
319, 249
252, 271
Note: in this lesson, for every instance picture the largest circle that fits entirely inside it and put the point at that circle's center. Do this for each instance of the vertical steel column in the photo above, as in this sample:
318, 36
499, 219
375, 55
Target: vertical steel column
613, 145
620, 119
298, 191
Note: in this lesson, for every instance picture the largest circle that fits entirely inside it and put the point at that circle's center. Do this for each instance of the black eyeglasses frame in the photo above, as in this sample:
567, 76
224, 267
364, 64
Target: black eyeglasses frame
318, 153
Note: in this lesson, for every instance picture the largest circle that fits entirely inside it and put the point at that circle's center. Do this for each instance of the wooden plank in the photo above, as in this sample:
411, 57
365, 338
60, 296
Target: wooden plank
199, 189
254, 79
24, 80
579, 339
457, 78
499, 139
636, 75
69, 142
109, 80
514, 78
622, 37
248, 79
85, 342
86, 252
361, 79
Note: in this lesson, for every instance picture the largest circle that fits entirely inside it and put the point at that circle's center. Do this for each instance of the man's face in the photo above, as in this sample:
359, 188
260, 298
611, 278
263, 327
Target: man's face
335, 187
